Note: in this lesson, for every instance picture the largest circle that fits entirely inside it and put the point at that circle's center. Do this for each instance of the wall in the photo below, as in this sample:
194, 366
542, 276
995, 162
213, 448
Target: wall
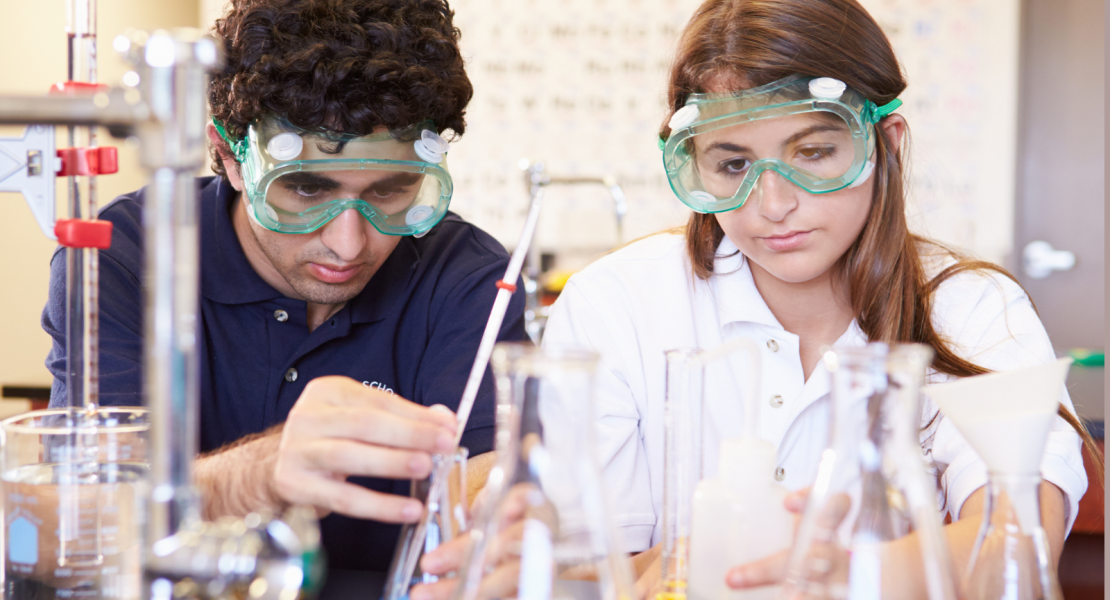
33, 44
579, 85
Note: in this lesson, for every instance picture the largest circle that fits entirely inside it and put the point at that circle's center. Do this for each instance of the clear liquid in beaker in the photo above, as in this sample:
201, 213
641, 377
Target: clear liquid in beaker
102, 560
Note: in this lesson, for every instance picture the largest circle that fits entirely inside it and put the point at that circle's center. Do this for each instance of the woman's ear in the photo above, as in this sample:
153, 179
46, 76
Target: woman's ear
894, 127
230, 166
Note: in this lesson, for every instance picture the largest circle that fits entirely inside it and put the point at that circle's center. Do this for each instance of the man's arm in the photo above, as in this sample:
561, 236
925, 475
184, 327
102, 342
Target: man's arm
229, 489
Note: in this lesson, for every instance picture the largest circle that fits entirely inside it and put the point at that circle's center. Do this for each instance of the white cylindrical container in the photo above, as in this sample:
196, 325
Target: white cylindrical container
738, 517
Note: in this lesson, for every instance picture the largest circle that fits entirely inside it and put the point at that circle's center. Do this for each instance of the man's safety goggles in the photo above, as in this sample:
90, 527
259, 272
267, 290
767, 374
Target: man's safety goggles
295, 181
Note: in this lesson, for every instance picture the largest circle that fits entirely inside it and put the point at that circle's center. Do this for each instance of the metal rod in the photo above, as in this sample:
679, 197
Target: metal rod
118, 110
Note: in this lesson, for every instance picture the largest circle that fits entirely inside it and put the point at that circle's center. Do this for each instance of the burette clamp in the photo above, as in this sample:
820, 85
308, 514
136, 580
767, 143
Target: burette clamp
79, 233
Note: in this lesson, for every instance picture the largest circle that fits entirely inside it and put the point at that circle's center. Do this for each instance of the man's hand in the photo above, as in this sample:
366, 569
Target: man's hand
338, 428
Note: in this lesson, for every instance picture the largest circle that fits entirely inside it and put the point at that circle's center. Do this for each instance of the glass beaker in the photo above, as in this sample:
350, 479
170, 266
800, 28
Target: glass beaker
450, 514
871, 486
567, 547
73, 490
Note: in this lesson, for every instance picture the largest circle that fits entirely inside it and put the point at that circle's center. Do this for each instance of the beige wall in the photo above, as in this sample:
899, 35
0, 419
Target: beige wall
33, 47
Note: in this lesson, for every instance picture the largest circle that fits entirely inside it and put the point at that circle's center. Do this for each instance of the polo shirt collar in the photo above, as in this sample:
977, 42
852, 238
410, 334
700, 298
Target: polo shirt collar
738, 300
226, 275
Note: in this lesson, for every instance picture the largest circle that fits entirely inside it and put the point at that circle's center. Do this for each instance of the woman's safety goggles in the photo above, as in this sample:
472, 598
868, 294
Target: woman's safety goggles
814, 132
295, 181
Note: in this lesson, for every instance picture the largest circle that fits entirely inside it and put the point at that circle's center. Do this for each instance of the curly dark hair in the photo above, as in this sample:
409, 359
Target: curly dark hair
341, 65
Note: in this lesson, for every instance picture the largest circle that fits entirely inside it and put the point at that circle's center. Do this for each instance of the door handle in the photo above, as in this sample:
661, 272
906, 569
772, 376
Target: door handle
1040, 259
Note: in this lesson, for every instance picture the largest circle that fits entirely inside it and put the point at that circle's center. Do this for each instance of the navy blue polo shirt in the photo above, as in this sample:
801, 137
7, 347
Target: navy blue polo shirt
413, 331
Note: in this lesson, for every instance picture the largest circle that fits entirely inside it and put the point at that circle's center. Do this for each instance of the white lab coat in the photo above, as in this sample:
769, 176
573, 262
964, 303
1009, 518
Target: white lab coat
633, 305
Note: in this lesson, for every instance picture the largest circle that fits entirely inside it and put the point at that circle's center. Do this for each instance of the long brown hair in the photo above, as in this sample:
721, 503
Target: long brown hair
761, 41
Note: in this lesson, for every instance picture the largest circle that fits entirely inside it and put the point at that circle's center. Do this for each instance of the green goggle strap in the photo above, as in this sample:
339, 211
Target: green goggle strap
874, 114
239, 149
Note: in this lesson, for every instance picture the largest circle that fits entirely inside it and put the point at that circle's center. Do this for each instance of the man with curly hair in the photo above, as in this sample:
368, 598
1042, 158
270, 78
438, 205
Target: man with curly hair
340, 301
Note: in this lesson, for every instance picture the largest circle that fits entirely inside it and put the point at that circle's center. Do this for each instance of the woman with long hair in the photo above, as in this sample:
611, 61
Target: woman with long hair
783, 138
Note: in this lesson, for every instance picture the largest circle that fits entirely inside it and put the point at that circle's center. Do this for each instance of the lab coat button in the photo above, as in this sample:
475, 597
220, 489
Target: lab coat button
281, 315
291, 375
772, 345
780, 474
776, 401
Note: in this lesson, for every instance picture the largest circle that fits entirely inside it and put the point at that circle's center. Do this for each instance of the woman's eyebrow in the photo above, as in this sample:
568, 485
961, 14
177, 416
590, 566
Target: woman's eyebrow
812, 129
808, 131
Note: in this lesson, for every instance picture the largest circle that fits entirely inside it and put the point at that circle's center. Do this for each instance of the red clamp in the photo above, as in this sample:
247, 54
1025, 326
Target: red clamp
76, 233
84, 161
88, 161
76, 88
507, 286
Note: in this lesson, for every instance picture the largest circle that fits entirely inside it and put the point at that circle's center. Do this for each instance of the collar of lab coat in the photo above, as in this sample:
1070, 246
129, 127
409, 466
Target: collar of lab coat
738, 301
737, 298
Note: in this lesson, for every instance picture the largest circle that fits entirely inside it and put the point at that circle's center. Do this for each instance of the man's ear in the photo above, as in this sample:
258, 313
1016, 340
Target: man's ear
230, 166
894, 127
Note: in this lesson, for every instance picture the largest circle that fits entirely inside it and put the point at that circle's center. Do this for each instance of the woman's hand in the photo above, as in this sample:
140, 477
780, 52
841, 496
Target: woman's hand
826, 563
647, 567
502, 564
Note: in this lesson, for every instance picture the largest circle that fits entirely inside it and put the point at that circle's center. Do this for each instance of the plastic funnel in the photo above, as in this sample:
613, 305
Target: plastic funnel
1006, 418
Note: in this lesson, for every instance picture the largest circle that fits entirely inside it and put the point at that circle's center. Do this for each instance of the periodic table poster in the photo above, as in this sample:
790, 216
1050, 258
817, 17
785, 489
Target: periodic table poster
579, 85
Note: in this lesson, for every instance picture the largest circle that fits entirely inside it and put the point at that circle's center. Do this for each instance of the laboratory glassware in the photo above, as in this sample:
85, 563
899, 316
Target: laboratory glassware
72, 519
738, 515
450, 517
568, 547
269, 558
1006, 417
871, 486
682, 466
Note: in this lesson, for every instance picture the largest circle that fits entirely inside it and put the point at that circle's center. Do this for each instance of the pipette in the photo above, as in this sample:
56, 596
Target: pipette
398, 583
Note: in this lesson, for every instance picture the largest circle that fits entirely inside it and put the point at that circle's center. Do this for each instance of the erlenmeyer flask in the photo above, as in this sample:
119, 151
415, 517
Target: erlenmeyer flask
1006, 417
1011, 559
568, 549
871, 486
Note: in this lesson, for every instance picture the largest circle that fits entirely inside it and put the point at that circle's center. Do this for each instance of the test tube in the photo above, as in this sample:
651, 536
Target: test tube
682, 466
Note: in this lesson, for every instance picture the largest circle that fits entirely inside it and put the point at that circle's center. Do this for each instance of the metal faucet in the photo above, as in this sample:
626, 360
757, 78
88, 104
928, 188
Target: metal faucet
535, 316
184, 557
